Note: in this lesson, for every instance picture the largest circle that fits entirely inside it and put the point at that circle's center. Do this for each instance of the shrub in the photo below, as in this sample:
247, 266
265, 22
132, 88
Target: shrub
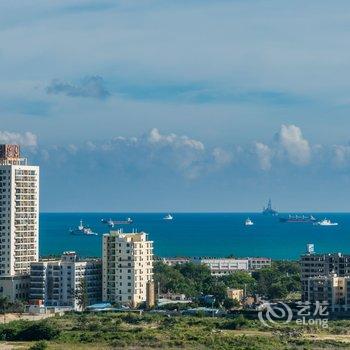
237, 323
87, 337
28, 331
132, 318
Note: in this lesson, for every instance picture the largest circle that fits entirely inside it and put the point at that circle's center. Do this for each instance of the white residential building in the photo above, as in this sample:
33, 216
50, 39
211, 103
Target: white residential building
57, 282
227, 266
175, 261
223, 266
127, 267
19, 221
258, 263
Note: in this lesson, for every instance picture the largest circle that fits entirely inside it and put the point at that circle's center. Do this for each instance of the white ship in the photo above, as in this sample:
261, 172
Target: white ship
249, 222
82, 230
326, 222
168, 217
110, 223
81, 226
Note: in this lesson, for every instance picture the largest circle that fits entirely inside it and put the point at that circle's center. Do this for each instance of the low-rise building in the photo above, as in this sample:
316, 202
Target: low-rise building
175, 261
235, 294
172, 296
223, 266
127, 267
258, 263
227, 266
57, 282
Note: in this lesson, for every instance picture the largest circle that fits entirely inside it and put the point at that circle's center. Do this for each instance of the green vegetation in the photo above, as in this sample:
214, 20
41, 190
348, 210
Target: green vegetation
278, 281
40, 345
133, 331
25, 330
7, 306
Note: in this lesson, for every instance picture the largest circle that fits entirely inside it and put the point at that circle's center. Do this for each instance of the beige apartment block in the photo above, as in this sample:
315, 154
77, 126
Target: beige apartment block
332, 290
127, 267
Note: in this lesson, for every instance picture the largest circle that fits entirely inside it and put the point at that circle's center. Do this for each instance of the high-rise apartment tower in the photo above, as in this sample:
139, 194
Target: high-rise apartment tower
19, 221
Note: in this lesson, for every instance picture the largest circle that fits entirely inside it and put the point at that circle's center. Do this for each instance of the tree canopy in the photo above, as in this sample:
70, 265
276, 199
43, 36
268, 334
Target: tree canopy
275, 282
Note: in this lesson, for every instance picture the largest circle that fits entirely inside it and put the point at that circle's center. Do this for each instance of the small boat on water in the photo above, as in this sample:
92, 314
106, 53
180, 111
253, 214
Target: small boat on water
248, 222
326, 222
168, 217
82, 230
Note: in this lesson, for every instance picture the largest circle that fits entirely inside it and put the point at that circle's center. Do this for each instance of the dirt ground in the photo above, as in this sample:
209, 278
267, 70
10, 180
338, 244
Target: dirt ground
15, 317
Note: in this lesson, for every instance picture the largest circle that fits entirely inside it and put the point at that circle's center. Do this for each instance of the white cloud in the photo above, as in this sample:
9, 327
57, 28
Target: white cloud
152, 151
264, 154
341, 155
155, 137
221, 156
294, 144
27, 139
186, 157
73, 149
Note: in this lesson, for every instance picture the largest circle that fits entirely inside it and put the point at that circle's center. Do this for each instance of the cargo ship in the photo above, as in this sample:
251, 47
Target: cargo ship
112, 223
298, 219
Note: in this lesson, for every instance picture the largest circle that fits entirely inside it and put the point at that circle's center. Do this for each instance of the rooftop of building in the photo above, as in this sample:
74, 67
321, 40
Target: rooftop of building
134, 236
316, 255
211, 257
230, 258
10, 154
68, 254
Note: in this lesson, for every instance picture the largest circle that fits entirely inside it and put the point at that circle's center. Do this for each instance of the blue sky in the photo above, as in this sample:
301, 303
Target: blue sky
180, 105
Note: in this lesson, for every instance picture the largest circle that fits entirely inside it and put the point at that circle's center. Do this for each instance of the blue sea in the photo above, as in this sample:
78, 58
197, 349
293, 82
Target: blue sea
200, 234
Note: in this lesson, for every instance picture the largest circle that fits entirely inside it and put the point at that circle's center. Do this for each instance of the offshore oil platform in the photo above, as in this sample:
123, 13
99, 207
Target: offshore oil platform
268, 210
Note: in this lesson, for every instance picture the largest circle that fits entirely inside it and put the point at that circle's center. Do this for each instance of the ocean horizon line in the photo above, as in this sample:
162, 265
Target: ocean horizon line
194, 212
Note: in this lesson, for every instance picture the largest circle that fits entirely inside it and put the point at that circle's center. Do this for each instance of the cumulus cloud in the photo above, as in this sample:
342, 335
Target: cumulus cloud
170, 154
191, 158
155, 137
168, 160
264, 154
26, 139
152, 151
92, 86
221, 156
294, 144
341, 155
178, 152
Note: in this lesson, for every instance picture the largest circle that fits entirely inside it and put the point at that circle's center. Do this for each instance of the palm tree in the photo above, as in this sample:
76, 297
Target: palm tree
4, 303
81, 295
